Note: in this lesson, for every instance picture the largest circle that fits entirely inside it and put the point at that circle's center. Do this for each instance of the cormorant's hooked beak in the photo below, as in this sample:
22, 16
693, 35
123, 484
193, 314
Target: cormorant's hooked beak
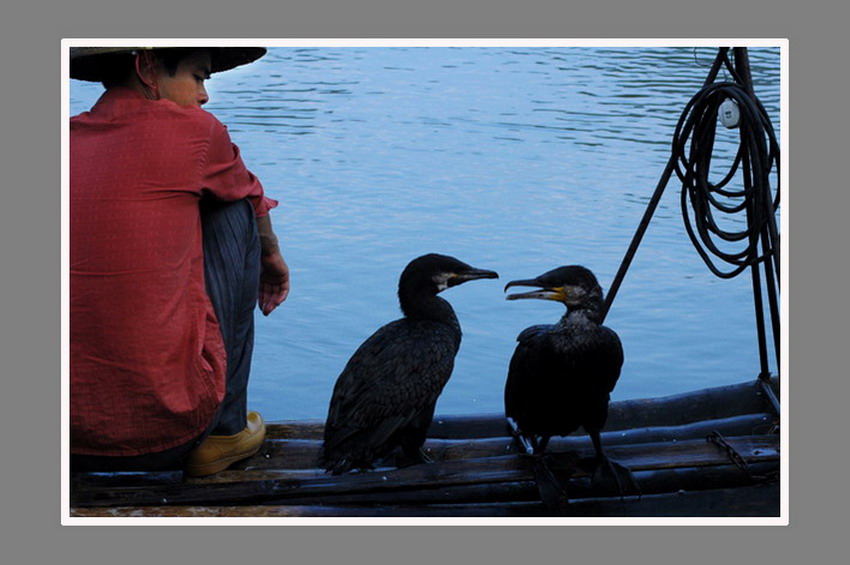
470, 275
559, 294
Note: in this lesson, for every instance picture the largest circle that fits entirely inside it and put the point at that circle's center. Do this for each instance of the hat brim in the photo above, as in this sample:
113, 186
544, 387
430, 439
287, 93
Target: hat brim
86, 63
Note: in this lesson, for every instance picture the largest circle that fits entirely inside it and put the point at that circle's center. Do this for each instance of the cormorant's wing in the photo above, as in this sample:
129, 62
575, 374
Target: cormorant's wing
604, 357
393, 375
528, 371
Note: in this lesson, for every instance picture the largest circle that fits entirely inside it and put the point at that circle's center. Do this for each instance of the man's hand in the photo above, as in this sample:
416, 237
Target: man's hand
274, 272
274, 282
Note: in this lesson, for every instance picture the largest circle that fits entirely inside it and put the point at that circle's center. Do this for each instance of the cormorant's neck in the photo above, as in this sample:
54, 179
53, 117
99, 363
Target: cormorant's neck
425, 305
590, 309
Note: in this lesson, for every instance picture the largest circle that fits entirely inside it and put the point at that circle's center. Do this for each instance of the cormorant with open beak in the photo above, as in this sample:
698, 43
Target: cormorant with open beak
561, 376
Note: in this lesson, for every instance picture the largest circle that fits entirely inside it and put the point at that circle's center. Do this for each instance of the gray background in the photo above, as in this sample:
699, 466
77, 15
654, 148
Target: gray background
30, 34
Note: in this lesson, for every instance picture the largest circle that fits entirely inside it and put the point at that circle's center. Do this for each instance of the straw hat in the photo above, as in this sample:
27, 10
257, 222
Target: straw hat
86, 62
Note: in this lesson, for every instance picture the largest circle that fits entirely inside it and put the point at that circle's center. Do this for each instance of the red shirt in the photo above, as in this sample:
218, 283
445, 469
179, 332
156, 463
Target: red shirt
147, 358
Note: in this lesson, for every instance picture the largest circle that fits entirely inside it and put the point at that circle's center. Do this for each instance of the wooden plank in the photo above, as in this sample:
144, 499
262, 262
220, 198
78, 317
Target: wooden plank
253, 492
296, 429
694, 453
659, 481
125, 479
753, 501
176, 478
520, 509
502, 491
651, 482
285, 454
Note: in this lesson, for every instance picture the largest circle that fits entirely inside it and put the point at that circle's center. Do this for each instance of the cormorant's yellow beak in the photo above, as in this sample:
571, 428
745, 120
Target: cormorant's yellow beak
566, 294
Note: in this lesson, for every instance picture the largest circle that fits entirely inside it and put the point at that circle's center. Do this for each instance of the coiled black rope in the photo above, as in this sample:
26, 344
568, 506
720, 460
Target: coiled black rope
704, 203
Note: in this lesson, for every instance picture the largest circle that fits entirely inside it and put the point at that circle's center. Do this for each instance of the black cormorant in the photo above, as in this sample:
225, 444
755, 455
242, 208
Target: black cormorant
561, 376
386, 394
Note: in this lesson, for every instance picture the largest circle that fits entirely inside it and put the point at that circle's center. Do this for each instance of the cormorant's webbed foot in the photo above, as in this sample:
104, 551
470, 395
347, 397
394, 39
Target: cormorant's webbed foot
614, 478
552, 490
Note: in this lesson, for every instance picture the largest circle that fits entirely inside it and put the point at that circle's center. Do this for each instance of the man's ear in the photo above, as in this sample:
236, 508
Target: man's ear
146, 69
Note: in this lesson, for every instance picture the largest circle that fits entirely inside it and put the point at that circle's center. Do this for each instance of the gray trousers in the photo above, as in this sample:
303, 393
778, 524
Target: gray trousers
231, 270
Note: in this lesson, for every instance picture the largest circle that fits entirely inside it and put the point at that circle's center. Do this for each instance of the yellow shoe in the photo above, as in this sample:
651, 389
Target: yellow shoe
217, 453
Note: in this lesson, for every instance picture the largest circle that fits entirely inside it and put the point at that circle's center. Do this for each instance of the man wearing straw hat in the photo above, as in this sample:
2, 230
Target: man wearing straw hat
171, 248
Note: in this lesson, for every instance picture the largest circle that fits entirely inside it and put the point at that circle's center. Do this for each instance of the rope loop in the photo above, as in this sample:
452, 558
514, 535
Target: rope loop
704, 202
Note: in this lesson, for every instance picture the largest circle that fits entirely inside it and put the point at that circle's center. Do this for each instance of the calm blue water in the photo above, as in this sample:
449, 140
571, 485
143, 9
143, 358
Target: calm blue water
512, 159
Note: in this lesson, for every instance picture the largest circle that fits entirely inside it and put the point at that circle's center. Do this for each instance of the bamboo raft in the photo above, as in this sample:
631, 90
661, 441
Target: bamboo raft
708, 453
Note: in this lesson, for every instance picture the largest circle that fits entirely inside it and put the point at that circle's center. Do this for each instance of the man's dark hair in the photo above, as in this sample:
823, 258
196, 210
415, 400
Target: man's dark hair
172, 56
115, 68
118, 67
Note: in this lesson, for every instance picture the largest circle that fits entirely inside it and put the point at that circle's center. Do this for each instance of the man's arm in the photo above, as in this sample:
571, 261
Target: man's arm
274, 272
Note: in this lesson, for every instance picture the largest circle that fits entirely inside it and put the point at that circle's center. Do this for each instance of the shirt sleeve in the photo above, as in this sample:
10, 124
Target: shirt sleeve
225, 176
